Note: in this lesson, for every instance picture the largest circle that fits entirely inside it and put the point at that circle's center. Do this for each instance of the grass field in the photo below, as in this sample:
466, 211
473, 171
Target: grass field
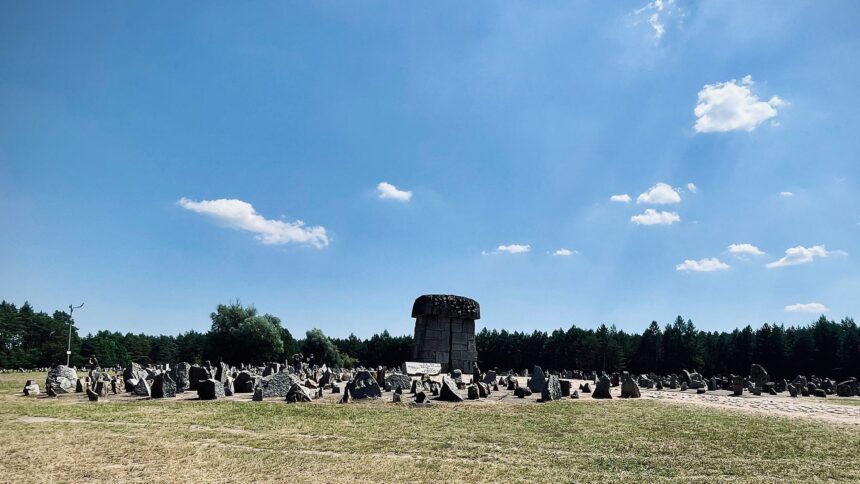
58, 440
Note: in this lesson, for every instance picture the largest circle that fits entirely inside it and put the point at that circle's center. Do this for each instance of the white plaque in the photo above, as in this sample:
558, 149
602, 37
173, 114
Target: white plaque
421, 368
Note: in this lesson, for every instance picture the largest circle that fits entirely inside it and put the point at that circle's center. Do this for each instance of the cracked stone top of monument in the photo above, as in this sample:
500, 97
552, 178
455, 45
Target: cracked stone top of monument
447, 306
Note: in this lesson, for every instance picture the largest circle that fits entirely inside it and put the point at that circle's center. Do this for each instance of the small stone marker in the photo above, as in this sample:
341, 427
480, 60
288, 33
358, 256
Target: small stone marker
448, 391
210, 389
601, 389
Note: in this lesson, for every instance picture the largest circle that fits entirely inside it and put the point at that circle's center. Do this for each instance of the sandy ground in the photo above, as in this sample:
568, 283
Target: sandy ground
781, 405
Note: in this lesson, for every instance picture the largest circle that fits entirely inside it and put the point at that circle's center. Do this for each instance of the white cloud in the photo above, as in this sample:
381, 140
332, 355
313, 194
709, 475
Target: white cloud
702, 265
653, 217
745, 249
691, 187
623, 198
241, 215
817, 308
803, 255
731, 106
564, 252
509, 249
786, 194
659, 194
387, 190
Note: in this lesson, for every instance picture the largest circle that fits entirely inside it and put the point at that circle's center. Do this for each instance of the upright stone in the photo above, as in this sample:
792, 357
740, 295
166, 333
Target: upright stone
445, 330
551, 389
601, 388
363, 385
163, 386
759, 376
397, 380
737, 385
538, 381
298, 394
61, 379
210, 389
180, 376
629, 388
142, 388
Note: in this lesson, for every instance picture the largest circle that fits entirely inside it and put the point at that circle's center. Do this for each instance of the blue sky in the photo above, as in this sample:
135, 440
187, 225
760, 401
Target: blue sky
156, 159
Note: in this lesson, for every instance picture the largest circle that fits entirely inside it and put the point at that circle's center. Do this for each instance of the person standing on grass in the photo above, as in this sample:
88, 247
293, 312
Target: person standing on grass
93, 363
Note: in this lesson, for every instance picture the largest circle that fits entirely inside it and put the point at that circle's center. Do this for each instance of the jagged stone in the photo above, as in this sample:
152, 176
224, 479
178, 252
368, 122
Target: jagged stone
229, 389
244, 382
490, 377
629, 389
258, 395
472, 392
180, 376
298, 393
551, 389
91, 395
448, 391
574, 395
142, 388
61, 379
398, 380
483, 389
420, 397
163, 386
197, 374
363, 385
585, 388
565, 387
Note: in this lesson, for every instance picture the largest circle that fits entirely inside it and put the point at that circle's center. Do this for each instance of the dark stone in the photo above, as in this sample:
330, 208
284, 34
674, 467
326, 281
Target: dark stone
472, 392
792, 390
258, 395
363, 385
180, 374
163, 386
326, 378
758, 375
574, 395
397, 380
79, 387
142, 388
229, 389
396, 397
629, 388
490, 377
335, 388
345, 398
513, 383
820, 393
196, 374
701, 390
210, 389
91, 395
847, 388
244, 382
420, 397
585, 388
551, 389
601, 389
134, 372
222, 372
538, 381
565, 387
737, 385
448, 391
483, 389
446, 306
522, 392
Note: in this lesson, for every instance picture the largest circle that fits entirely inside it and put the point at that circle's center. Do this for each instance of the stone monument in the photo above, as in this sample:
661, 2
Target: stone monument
445, 331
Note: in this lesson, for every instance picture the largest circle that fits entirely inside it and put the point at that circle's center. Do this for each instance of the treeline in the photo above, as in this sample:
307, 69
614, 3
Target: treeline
239, 334
825, 348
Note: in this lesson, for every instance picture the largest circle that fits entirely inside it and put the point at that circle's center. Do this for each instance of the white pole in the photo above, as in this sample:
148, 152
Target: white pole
69, 347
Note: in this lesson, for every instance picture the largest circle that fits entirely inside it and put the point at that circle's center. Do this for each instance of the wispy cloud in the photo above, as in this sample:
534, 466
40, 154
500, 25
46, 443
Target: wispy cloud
803, 255
702, 265
564, 252
622, 198
386, 190
691, 187
509, 249
731, 106
814, 307
653, 217
241, 215
656, 14
786, 194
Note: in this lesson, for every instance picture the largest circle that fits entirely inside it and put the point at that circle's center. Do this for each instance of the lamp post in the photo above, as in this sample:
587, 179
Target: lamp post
69, 347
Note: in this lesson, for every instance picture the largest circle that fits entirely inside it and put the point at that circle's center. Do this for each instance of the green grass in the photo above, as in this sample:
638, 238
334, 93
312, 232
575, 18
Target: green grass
583, 440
